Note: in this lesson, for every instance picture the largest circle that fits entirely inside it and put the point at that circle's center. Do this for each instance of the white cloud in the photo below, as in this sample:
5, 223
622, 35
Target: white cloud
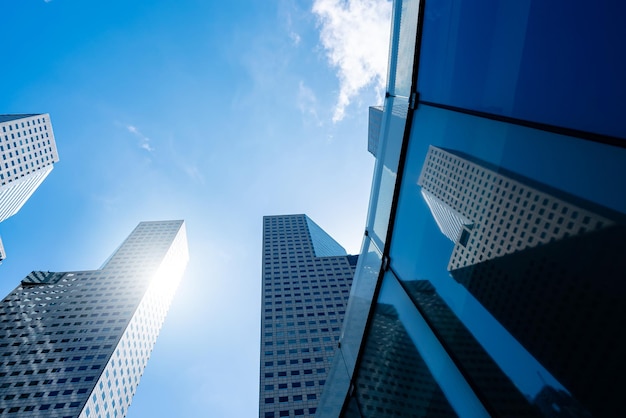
145, 141
355, 35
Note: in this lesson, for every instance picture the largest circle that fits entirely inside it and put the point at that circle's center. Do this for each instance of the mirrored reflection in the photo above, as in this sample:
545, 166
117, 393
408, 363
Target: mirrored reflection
402, 52
393, 378
388, 156
530, 254
533, 273
360, 302
500, 394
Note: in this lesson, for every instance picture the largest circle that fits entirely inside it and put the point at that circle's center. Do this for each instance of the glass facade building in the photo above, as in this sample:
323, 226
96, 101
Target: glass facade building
306, 283
75, 344
492, 278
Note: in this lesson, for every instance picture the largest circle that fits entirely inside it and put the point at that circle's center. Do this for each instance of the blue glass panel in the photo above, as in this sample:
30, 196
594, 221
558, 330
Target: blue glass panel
520, 234
559, 62
360, 302
357, 312
385, 171
402, 48
404, 370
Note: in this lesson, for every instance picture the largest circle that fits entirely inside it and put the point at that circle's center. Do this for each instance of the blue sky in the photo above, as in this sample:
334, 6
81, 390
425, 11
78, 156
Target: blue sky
214, 112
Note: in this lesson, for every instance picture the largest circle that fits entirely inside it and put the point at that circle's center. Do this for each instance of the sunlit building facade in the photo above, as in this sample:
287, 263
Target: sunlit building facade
492, 276
306, 283
28, 153
75, 344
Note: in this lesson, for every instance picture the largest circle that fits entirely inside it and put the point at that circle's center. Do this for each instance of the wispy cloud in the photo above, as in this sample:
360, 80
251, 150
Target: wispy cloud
293, 35
355, 35
295, 38
144, 140
194, 173
307, 101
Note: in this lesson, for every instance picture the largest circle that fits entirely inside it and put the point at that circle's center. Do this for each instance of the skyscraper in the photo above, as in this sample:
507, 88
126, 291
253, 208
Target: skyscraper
75, 344
492, 269
306, 283
28, 154
488, 212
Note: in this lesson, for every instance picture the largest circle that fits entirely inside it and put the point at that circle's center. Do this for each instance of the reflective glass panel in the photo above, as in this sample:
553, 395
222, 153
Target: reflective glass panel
404, 370
518, 233
559, 62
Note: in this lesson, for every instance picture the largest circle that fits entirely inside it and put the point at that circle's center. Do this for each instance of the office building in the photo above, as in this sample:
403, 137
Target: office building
488, 213
28, 155
306, 283
373, 128
492, 276
75, 344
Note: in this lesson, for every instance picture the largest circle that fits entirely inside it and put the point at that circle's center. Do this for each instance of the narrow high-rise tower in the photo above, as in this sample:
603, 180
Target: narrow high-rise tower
28, 152
74, 344
306, 284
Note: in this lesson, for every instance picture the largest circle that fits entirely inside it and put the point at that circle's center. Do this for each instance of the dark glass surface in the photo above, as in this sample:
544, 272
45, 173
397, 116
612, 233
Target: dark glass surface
404, 370
393, 379
523, 241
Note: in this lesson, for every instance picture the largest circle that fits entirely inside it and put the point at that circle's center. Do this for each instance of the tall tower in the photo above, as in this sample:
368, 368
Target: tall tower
74, 344
306, 284
28, 152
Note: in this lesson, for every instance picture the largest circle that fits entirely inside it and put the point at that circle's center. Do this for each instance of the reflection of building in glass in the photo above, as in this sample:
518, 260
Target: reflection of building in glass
531, 259
482, 372
76, 343
493, 212
306, 282
552, 300
393, 379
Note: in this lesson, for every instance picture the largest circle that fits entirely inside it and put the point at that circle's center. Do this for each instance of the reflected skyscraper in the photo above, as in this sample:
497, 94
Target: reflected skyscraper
306, 283
489, 212
75, 344
394, 380
541, 249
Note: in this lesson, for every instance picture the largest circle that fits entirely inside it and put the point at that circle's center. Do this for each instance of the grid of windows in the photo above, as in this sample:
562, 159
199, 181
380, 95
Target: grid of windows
67, 337
304, 300
27, 154
502, 214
